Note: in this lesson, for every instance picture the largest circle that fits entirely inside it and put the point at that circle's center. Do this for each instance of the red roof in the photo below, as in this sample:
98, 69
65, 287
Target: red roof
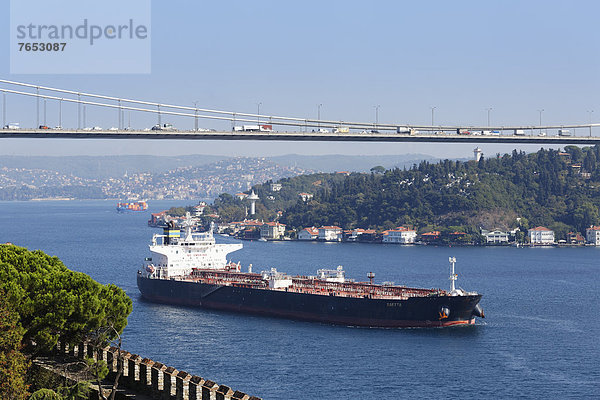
312, 231
594, 228
458, 233
540, 228
434, 233
330, 227
273, 224
360, 230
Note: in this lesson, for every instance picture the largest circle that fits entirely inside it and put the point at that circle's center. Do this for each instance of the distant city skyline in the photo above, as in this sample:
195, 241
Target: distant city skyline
465, 63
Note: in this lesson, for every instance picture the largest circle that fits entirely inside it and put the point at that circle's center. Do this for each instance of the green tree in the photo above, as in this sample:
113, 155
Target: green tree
13, 363
54, 302
378, 169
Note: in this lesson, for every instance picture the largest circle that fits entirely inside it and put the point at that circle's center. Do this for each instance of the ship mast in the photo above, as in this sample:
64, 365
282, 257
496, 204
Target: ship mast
453, 276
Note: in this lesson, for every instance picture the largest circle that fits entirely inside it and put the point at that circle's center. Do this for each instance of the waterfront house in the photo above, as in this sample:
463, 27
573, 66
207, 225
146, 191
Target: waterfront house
495, 237
401, 235
575, 238
429, 237
311, 233
360, 235
541, 235
592, 235
272, 230
330, 233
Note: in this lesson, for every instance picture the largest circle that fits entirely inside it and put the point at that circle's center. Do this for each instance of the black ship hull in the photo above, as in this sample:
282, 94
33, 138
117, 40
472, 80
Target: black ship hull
426, 311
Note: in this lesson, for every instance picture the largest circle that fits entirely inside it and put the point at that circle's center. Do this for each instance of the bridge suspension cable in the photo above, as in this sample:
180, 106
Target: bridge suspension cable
233, 116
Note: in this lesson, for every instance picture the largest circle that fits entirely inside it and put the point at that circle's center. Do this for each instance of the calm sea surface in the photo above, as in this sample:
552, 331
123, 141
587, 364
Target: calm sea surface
540, 338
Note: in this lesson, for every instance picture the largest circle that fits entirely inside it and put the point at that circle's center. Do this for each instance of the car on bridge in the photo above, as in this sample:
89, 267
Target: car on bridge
163, 127
43, 127
12, 125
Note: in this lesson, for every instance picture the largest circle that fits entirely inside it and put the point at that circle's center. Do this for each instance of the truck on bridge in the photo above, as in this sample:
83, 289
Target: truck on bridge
253, 128
564, 132
341, 129
405, 130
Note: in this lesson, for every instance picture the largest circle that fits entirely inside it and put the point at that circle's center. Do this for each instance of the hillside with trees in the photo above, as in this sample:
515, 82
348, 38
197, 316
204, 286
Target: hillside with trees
556, 189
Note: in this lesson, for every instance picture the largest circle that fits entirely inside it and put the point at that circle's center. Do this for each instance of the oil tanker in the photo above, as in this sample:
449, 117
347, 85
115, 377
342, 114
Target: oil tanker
191, 269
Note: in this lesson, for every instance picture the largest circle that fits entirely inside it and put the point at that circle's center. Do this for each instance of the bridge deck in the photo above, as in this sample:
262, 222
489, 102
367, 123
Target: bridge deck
295, 136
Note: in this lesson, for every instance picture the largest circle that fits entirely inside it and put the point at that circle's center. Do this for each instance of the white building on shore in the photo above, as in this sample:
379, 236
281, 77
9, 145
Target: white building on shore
401, 235
330, 233
311, 233
592, 235
541, 236
495, 236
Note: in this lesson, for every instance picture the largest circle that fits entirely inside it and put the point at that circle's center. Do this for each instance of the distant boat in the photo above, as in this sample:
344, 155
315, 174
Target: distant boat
262, 240
132, 206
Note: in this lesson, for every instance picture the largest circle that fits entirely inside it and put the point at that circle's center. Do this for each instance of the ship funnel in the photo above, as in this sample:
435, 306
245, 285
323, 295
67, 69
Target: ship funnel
478, 311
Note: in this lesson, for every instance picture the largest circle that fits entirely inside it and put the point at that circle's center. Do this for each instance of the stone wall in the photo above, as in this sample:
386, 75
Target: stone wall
153, 379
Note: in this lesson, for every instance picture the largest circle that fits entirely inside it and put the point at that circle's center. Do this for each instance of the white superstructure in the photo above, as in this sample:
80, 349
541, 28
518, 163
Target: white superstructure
176, 253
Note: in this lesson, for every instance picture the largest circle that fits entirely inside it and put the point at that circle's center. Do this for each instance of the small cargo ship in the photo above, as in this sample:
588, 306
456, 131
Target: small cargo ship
191, 269
132, 206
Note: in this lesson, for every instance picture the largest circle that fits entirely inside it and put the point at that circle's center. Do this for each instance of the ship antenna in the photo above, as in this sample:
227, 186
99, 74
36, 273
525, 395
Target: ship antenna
371, 275
453, 276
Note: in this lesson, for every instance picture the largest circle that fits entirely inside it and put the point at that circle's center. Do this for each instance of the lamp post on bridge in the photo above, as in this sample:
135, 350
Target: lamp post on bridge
45, 124
376, 115
78, 111
120, 115
258, 113
488, 115
541, 111
3, 109
196, 115
60, 113
432, 116
590, 112
84, 118
37, 99
319, 115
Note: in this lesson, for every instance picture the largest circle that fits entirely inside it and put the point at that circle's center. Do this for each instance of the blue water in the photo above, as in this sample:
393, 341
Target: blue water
540, 338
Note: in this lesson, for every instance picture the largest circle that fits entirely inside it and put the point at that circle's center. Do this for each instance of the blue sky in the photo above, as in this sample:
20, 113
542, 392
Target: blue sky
461, 57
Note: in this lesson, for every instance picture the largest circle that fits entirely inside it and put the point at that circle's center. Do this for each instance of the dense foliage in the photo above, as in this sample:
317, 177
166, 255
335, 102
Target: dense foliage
13, 363
230, 208
54, 302
559, 190
550, 188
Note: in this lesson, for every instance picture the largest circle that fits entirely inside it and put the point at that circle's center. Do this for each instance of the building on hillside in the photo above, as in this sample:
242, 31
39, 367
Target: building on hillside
158, 219
199, 209
311, 233
432, 236
541, 235
330, 233
592, 234
241, 196
272, 230
457, 236
305, 196
275, 187
495, 237
401, 235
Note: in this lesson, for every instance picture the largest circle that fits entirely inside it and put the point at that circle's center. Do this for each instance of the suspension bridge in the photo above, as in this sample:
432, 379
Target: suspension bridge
249, 126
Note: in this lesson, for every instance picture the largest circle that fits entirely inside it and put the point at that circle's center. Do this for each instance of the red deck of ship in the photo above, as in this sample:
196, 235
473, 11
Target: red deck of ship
311, 285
